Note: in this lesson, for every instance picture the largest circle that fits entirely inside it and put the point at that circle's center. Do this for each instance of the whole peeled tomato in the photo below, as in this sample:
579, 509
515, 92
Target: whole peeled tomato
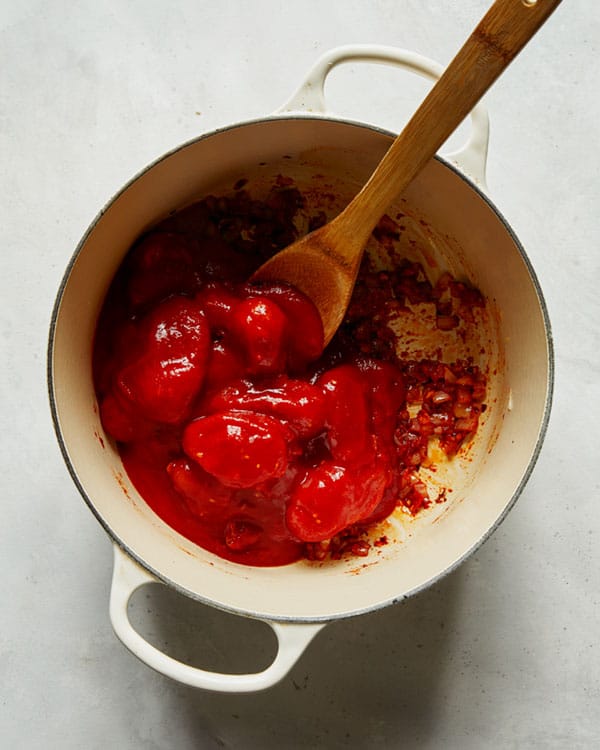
386, 394
240, 449
260, 325
331, 497
163, 380
348, 422
304, 335
297, 402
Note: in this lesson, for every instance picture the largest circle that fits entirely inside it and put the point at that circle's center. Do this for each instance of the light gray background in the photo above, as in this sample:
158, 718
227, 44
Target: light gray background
503, 653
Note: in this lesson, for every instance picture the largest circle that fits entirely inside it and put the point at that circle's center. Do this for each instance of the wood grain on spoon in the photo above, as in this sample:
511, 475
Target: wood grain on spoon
325, 263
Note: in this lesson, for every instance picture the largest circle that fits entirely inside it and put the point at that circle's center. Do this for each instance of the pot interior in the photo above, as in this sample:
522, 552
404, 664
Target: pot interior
447, 225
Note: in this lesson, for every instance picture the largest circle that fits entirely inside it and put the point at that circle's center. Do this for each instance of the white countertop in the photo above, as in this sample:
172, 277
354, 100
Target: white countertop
504, 652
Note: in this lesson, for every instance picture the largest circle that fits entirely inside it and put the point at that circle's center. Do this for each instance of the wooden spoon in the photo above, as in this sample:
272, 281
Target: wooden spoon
324, 264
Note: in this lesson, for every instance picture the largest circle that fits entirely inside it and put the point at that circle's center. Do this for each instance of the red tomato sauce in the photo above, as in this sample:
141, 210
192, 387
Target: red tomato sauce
234, 424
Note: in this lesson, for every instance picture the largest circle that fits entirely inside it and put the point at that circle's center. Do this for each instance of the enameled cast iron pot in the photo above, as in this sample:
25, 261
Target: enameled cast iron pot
454, 226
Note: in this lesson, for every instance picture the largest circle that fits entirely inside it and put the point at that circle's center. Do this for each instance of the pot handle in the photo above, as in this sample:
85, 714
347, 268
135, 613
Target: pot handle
310, 97
292, 638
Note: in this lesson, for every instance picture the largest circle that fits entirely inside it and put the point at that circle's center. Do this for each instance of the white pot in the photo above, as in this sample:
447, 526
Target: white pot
459, 226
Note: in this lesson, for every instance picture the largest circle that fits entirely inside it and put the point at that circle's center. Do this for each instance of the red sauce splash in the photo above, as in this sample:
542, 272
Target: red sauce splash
234, 425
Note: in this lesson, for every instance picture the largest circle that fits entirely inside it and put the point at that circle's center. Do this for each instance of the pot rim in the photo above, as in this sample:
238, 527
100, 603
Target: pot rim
286, 117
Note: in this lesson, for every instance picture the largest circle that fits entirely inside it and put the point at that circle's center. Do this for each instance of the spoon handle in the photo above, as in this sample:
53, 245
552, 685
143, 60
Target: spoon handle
499, 37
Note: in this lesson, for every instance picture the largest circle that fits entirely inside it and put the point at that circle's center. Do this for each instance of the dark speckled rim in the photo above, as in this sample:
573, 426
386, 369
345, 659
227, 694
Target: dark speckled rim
351, 612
